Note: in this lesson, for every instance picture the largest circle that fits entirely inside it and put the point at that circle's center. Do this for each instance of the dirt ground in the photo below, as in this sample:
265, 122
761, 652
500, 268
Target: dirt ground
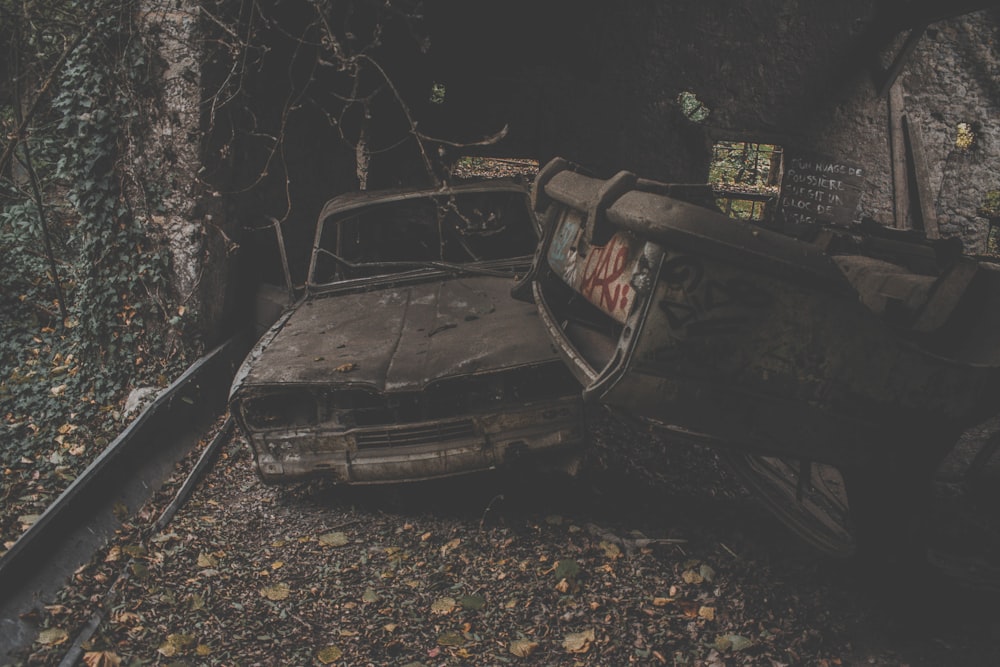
655, 560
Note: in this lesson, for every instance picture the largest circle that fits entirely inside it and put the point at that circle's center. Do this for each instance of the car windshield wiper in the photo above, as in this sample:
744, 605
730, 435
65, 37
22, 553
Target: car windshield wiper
427, 264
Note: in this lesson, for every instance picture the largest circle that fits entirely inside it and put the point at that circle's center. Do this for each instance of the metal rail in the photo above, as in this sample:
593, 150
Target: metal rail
126, 474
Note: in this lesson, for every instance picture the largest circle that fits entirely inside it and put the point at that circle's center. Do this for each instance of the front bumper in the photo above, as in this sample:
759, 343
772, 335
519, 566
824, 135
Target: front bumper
422, 450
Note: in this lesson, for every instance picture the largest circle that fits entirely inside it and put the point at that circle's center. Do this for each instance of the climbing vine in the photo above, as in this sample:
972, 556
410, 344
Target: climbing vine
90, 305
84, 294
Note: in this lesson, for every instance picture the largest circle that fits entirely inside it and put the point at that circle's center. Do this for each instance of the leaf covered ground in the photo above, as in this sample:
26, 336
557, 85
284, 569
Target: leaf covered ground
664, 563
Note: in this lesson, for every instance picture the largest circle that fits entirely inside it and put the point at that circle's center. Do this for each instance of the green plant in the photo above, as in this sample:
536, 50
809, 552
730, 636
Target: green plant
61, 377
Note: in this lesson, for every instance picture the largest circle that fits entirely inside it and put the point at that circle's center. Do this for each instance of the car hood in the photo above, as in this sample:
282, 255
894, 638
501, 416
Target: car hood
401, 338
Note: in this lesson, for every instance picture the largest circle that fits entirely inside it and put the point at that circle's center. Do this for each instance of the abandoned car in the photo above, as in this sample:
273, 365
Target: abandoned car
834, 374
407, 358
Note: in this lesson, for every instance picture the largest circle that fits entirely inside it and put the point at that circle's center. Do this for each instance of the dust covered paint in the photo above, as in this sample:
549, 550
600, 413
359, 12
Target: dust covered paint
407, 358
866, 349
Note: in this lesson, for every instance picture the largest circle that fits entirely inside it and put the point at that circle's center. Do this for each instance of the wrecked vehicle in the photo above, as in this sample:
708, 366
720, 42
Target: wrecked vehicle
407, 358
834, 374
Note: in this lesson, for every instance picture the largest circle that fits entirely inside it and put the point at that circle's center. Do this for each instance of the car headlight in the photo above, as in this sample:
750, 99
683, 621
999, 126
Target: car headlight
285, 409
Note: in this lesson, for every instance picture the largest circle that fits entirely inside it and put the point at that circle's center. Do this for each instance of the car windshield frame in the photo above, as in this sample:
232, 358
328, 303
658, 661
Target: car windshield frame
348, 207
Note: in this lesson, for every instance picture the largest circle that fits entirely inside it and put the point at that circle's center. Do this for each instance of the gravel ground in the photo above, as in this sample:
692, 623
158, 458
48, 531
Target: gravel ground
655, 560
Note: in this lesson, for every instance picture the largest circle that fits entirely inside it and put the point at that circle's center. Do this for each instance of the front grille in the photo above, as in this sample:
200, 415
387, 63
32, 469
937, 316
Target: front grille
405, 436
488, 392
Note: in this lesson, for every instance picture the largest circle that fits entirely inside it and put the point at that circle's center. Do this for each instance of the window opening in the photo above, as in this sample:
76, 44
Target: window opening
745, 177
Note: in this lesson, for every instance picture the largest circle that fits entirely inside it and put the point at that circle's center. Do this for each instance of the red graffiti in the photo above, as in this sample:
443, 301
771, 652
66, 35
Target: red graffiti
603, 284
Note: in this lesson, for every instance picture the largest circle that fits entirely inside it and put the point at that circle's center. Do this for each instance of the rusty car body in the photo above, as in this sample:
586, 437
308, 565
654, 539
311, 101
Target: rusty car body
835, 374
407, 358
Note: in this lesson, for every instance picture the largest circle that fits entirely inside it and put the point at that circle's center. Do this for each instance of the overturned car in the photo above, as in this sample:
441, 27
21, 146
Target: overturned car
407, 358
834, 374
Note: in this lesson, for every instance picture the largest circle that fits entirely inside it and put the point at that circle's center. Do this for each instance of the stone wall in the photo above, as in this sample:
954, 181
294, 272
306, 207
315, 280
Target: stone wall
599, 84
799, 75
954, 78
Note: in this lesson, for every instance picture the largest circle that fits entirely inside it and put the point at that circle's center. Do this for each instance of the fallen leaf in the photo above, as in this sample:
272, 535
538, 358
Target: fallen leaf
134, 550
707, 573
337, 539
567, 569
52, 637
329, 655
661, 602
101, 659
692, 577
611, 550
707, 613
739, 642
450, 546
689, 609
277, 565
522, 648
345, 368
279, 591
451, 639
174, 644
207, 560
125, 618
578, 642
203, 650
443, 606
369, 595
472, 602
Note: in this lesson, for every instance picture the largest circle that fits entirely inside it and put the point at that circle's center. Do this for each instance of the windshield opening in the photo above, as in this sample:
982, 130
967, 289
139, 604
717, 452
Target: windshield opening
460, 228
